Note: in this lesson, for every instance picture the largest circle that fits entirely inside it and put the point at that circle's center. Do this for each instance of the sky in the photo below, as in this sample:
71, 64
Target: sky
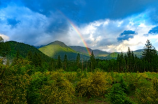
108, 25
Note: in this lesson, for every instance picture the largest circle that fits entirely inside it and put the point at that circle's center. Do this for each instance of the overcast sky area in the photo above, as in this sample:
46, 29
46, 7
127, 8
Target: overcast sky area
108, 25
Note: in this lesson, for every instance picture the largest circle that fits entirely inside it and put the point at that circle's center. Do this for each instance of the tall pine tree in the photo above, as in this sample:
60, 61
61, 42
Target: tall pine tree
65, 62
92, 62
149, 54
59, 64
78, 60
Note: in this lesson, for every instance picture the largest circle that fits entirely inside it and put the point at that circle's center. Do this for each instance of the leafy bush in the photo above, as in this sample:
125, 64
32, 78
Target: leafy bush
70, 76
123, 85
60, 91
117, 95
93, 86
148, 95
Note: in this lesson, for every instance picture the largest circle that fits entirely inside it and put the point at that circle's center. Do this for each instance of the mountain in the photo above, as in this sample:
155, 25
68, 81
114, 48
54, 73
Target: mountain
83, 50
23, 50
56, 48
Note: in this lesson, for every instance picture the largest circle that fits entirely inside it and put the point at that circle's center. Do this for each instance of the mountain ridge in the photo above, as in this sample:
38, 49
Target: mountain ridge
83, 51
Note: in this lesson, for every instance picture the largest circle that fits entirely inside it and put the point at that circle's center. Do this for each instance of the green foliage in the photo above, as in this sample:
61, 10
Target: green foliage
93, 86
124, 87
92, 62
24, 49
78, 60
59, 64
65, 62
4, 48
117, 95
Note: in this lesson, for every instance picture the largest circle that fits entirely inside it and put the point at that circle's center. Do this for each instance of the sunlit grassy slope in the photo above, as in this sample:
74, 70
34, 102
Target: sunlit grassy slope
59, 48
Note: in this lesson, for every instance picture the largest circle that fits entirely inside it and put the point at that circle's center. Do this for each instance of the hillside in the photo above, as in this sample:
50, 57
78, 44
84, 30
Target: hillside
83, 50
56, 48
24, 49
59, 48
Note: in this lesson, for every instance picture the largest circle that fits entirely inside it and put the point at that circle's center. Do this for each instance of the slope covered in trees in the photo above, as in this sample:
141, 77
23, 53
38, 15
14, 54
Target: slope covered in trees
22, 48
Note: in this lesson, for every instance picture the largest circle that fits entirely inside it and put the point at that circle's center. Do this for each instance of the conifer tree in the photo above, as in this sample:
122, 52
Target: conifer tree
92, 61
29, 56
59, 64
65, 62
149, 54
78, 60
129, 59
51, 65
37, 60
149, 51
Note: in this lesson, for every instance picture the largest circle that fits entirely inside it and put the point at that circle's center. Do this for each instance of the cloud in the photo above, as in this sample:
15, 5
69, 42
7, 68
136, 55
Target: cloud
23, 25
126, 35
154, 30
6, 38
110, 25
13, 22
86, 11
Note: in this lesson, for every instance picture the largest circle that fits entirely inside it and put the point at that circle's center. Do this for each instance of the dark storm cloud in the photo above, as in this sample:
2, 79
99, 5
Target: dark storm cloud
91, 10
13, 22
154, 30
59, 25
126, 35
40, 21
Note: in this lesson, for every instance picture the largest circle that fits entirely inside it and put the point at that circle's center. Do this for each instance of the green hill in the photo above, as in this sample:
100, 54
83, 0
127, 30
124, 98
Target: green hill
83, 50
23, 50
59, 48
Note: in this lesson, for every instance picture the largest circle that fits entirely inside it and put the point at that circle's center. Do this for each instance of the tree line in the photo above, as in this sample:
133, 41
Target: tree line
125, 62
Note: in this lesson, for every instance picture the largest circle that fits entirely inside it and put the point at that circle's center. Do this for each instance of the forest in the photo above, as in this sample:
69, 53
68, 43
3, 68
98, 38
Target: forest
34, 78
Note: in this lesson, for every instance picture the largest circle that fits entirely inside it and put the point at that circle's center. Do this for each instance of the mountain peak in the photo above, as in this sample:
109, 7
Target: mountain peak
58, 43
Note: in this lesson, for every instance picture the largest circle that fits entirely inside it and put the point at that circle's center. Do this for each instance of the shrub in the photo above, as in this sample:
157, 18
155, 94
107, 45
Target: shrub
93, 86
60, 91
123, 85
148, 95
117, 95
70, 76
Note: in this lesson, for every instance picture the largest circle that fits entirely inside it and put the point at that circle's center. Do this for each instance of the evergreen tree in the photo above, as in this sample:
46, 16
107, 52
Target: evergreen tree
129, 59
119, 62
4, 48
29, 56
17, 56
65, 62
149, 51
51, 65
78, 60
59, 64
149, 54
92, 61
37, 60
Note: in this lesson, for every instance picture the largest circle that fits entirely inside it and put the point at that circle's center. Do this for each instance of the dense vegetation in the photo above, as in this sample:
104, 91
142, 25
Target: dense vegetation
33, 78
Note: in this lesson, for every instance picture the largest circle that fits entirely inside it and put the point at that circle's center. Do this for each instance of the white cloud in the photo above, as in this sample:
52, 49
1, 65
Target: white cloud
102, 34
6, 38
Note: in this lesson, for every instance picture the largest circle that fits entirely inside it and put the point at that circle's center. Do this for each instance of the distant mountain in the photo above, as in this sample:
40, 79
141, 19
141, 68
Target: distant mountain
56, 48
24, 49
83, 50
39, 46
